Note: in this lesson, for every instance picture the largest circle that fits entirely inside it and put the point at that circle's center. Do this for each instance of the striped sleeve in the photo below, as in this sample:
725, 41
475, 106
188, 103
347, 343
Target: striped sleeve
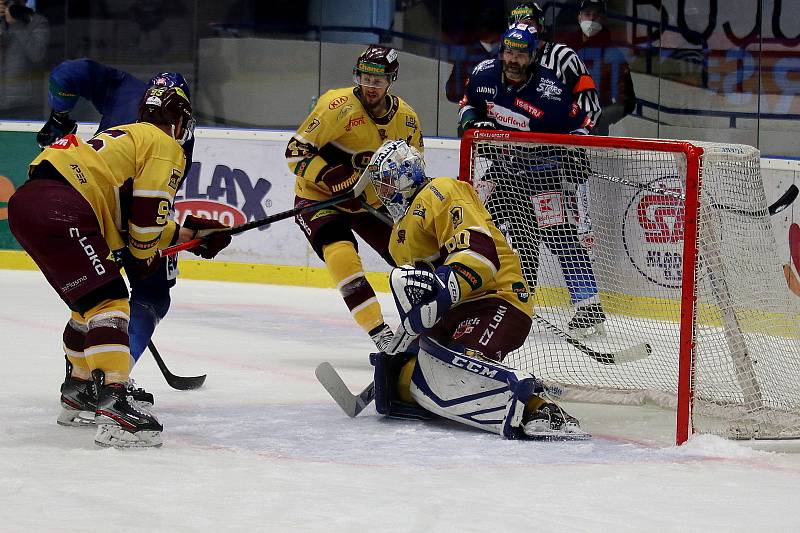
153, 194
569, 68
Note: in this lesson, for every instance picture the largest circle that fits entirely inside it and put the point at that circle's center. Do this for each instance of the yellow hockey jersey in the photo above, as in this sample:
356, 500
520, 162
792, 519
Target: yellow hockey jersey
446, 224
340, 131
129, 175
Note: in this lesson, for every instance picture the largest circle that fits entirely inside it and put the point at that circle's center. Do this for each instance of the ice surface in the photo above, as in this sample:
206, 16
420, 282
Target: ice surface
261, 447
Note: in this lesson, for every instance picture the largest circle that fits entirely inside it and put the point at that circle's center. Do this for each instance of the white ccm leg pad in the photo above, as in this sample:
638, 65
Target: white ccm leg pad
470, 390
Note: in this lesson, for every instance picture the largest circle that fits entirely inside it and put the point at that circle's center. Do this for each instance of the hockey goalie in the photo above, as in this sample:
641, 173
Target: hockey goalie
463, 304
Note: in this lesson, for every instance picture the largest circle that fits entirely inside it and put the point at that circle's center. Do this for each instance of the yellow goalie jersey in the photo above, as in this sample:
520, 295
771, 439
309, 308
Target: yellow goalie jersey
129, 175
340, 131
446, 224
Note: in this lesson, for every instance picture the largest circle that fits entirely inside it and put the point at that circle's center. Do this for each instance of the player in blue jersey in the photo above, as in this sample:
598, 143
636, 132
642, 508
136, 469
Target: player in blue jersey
539, 192
116, 96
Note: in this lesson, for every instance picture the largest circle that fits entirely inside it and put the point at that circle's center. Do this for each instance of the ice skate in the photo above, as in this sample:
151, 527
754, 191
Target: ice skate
123, 422
551, 422
78, 403
588, 321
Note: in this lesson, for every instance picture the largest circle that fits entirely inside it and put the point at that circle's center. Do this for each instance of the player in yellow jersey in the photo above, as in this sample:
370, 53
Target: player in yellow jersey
79, 200
328, 153
464, 305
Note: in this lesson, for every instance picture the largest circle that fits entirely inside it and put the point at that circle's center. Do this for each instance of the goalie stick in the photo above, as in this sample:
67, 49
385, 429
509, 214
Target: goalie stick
354, 192
351, 404
176, 382
633, 353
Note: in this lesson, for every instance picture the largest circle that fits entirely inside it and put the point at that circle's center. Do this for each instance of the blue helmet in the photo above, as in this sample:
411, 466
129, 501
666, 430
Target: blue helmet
520, 37
170, 79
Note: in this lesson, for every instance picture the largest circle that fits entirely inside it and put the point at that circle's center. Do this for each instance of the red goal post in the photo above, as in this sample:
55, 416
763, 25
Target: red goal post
684, 260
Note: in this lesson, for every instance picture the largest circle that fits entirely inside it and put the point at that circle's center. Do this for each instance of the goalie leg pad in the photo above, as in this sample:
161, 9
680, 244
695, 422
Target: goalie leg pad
390, 370
471, 390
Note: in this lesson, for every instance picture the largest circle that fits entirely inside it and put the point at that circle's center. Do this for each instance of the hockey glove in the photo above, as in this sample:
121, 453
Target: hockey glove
209, 230
139, 269
423, 297
57, 126
338, 179
478, 124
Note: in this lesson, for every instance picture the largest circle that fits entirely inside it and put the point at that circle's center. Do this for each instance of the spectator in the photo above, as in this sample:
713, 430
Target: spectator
24, 36
606, 63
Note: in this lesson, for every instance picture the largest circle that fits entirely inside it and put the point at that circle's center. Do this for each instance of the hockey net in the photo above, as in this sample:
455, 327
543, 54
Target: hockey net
684, 259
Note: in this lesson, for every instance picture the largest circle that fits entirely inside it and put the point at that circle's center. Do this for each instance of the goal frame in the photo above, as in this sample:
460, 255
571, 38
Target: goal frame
687, 340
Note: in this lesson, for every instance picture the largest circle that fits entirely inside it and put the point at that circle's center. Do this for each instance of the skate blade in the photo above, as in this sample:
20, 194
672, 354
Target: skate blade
553, 436
113, 436
74, 418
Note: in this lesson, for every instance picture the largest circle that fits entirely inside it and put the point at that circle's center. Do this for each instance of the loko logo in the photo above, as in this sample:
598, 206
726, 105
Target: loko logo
230, 196
228, 215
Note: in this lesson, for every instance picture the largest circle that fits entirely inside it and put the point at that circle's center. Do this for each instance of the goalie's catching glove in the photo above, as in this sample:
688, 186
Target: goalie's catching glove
423, 297
56, 127
209, 230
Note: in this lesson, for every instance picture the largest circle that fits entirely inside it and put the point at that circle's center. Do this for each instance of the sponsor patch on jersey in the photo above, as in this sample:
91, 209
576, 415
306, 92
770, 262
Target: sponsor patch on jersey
354, 122
472, 278
325, 213
411, 122
76, 169
65, 142
521, 291
337, 102
483, 65
419, 211
457, 216
528, 107
549, 209
486, 90
312, 126
549, 89
465, 327
401, 236
508, 118
436, 193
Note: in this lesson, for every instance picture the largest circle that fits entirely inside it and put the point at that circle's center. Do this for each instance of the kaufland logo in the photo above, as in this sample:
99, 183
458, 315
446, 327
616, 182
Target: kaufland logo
652, 233
506, 117
230, 196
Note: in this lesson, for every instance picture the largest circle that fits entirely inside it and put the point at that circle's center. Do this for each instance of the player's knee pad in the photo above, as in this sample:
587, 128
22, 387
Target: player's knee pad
392, 380
471, 390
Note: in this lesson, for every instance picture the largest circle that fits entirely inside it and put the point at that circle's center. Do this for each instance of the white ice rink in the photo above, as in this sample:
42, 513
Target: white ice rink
262, 447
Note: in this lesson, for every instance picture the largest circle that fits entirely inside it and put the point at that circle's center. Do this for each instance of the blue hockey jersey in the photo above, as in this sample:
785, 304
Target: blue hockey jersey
558, 96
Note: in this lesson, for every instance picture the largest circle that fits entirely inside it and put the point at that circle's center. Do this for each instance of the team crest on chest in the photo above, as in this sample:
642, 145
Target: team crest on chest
401, 236
549, 89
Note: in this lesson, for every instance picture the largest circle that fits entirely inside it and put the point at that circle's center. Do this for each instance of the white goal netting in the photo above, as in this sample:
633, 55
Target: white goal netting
745, 328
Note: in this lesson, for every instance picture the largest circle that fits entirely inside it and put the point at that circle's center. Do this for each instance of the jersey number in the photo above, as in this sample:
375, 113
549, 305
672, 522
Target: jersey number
98, 144
459, 241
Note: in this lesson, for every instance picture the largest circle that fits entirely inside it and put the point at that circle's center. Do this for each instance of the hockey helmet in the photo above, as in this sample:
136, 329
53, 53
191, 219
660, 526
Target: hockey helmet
397, 171
520, 37
378, 63
170, 79
168, 106
528, 10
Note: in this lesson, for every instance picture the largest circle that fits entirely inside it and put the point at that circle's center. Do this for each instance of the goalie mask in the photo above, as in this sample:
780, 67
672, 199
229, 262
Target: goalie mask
168, 106
397, 171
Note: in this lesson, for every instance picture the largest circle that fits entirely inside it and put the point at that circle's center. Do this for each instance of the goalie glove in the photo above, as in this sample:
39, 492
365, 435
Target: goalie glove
56, 127
211, 231
423, 297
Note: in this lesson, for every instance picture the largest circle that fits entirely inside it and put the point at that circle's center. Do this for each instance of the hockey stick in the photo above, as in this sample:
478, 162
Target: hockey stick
777, 206
633, 353
351, 404
176, 382
354, 192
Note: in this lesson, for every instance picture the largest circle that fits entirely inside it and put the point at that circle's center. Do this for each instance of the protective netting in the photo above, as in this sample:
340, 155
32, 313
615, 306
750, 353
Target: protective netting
545, 197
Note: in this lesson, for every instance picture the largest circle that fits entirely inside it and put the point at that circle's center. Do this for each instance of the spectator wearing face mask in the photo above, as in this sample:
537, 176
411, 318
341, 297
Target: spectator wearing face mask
606, 63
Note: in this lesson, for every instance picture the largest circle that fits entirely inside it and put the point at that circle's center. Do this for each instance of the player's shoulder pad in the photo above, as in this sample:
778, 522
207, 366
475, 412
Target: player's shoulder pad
336, 103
